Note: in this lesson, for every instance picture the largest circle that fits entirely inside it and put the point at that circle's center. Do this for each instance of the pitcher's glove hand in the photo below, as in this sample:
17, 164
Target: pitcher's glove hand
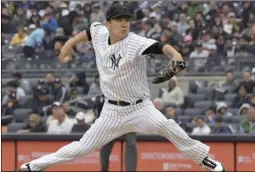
171, 69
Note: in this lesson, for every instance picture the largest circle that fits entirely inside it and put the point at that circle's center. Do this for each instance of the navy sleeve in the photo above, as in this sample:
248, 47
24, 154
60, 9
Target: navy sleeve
88, 34
155, 48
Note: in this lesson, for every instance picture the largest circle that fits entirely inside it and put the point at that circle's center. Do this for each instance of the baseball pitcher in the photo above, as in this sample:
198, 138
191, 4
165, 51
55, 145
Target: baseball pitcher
121, 61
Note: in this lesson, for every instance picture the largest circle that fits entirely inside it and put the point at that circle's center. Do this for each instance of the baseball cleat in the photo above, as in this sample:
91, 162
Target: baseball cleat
213, 165
25, 167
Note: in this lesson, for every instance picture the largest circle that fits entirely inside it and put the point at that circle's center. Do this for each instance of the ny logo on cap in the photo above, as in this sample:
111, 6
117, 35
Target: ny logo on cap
115, 62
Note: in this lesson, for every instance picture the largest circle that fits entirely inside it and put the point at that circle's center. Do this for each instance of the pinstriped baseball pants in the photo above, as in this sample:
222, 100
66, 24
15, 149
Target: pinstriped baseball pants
115, 121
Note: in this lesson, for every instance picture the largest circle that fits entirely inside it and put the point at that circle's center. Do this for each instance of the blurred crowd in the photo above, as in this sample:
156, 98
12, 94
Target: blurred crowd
209, 35
55, 107
214, 108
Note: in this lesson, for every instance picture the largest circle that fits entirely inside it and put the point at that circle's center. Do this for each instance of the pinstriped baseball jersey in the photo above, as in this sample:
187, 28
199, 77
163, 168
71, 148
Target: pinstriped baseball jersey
122, 67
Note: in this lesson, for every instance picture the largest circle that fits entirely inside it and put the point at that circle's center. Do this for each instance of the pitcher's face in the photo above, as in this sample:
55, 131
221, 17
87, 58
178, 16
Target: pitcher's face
119, 28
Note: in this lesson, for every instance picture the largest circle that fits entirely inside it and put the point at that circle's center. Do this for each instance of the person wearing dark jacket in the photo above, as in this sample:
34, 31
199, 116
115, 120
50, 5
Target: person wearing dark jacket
218, 128
42, 102
60, 92
241, 98
81, 126
247, 82
34, 125
79, 80
11, 105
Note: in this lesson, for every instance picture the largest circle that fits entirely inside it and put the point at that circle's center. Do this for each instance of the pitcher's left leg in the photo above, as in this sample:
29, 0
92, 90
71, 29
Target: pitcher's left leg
149, 120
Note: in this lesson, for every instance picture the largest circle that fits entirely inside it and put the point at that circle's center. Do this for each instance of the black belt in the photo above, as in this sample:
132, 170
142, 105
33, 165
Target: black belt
122, 103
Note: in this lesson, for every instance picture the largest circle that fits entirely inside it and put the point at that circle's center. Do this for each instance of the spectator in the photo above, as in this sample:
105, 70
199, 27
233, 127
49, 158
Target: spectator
202, 128
13, 88
170, 113
241, 98
61, 124
49, 23
173, 94
19, 17
79, 103
222, 110
230, 50
231, 27
200, 57
19, 37
243, 110
80, 23
34, 42
245, 13
34, 125
182, 25
247, 82
60, 93
252, 102
65, 21
210, 114
68, 110
97, 14
53, 115
248, 124
193, 8
229, 80
214, 58
218, 128
22, 83
49, 81
158, 103
79, 80
42, 103
81, 126
94, 88
242, 49
87, 10
7, 26
12, 104
34, 20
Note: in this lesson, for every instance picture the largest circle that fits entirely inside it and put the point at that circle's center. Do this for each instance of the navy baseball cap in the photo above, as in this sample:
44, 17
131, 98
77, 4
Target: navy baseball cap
118, 11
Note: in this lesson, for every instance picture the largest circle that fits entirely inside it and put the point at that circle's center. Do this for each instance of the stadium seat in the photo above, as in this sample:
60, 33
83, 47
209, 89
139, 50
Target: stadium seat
192, 112
21, 115
203, 104
192, 98
184, 119
208, 91
236, 119
219, 95
234, 111
178, 111
30, 102
230, 97
7, 119
193, 85
14, 127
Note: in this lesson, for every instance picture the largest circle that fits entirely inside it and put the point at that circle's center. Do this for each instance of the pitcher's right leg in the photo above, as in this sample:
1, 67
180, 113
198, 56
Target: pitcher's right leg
101, 132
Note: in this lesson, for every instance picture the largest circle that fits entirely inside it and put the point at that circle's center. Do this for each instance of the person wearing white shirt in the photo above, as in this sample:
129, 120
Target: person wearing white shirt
61, 124
202, 128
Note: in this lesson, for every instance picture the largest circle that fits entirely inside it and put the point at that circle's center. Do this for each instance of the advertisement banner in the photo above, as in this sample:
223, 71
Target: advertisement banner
245, 156
8, 156
28, 151
163, 156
